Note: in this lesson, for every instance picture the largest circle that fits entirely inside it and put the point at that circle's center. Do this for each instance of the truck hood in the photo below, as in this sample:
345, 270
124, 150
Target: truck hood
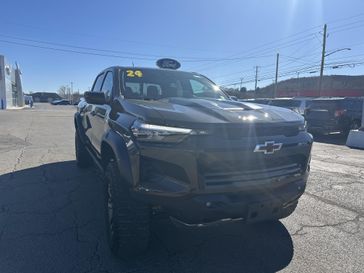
195, 112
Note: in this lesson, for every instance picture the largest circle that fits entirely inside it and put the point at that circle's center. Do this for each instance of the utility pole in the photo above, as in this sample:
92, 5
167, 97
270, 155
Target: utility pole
276, 81
241, 83
71, 97
322, 60
256, 82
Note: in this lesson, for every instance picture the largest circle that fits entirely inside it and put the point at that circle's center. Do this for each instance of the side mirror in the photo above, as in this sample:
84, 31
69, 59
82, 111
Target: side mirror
95, 97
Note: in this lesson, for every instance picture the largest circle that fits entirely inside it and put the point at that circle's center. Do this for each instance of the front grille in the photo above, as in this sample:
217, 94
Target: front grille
217, 170
237, 132
229, 178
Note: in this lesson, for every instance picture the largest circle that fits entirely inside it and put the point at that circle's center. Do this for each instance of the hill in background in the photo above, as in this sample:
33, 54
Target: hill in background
334, 85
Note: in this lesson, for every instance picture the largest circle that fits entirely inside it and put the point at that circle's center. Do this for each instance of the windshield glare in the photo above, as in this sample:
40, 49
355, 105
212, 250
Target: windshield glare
157, 84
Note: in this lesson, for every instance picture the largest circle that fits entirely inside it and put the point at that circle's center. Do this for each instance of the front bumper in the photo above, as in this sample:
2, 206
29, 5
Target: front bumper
212, 179
327, 126
324, 129
249, 206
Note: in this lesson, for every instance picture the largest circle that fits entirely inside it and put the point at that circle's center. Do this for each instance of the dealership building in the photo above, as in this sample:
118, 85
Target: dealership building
11, 91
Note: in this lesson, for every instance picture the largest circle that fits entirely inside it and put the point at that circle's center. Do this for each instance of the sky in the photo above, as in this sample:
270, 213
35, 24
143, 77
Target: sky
59, 42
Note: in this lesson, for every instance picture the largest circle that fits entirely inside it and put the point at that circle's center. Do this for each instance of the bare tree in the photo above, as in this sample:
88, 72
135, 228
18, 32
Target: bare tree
76, 96
63, 91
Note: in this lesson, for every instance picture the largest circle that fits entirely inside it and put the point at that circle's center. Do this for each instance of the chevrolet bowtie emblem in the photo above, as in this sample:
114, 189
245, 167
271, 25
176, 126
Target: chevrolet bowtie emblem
269, 147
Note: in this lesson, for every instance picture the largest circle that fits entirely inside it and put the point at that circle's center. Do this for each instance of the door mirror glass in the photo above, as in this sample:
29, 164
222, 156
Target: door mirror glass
95, 97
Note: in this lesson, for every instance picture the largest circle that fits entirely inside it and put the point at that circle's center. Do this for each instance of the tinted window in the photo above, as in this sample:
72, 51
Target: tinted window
325, 104
286, 103
354, 104
98, 83
107, 85
261, 101
157, 84
197, 87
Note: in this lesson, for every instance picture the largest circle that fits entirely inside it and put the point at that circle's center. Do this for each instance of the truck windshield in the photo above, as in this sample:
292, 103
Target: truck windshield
156, 84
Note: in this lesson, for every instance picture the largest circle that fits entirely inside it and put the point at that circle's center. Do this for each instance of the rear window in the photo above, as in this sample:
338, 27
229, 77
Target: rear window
260, 101
326, 104
285, 103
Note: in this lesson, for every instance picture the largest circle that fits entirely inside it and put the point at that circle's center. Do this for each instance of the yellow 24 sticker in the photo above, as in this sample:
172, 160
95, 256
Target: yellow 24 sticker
134, 73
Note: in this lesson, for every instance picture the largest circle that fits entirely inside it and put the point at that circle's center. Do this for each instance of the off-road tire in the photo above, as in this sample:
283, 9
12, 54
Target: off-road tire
83, 158
127, 220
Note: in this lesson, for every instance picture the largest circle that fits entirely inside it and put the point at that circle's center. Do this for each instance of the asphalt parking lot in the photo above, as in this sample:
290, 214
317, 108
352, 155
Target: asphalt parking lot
51, 213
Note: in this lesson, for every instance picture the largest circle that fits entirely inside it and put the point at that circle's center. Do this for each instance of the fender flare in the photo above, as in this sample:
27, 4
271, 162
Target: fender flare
121, 153
79, 128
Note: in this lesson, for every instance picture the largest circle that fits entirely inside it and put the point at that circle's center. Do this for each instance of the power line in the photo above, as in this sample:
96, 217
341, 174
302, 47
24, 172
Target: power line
99, 50
303, 70
133, 54
301, 58
74, 51
98, 36
290, 42
263, 51
294, 35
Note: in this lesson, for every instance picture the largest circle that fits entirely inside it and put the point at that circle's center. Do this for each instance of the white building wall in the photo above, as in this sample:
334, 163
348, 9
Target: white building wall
18, 87
8, 87
11, 93
2, 83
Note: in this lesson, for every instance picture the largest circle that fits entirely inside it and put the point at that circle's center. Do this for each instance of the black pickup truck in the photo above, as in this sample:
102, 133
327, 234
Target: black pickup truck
172, 141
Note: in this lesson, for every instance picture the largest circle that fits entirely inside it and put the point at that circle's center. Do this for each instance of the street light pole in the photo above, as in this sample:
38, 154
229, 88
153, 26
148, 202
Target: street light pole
71, 95
276, 80
322, 60
256, 82
337, 50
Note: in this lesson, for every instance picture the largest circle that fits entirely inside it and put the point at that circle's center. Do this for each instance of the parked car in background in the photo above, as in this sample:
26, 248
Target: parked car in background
60, 102
331, 115
28, 100
299, 105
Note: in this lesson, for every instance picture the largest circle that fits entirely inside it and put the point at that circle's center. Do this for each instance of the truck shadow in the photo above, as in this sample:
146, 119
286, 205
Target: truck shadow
235, 247
53, 217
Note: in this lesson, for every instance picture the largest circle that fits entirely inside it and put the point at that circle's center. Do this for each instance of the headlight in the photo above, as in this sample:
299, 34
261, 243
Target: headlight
157, 133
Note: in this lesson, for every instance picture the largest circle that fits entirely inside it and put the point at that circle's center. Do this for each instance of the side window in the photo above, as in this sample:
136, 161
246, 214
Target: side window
98, 83
107, 85
348, 105
197, 87
358, 105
